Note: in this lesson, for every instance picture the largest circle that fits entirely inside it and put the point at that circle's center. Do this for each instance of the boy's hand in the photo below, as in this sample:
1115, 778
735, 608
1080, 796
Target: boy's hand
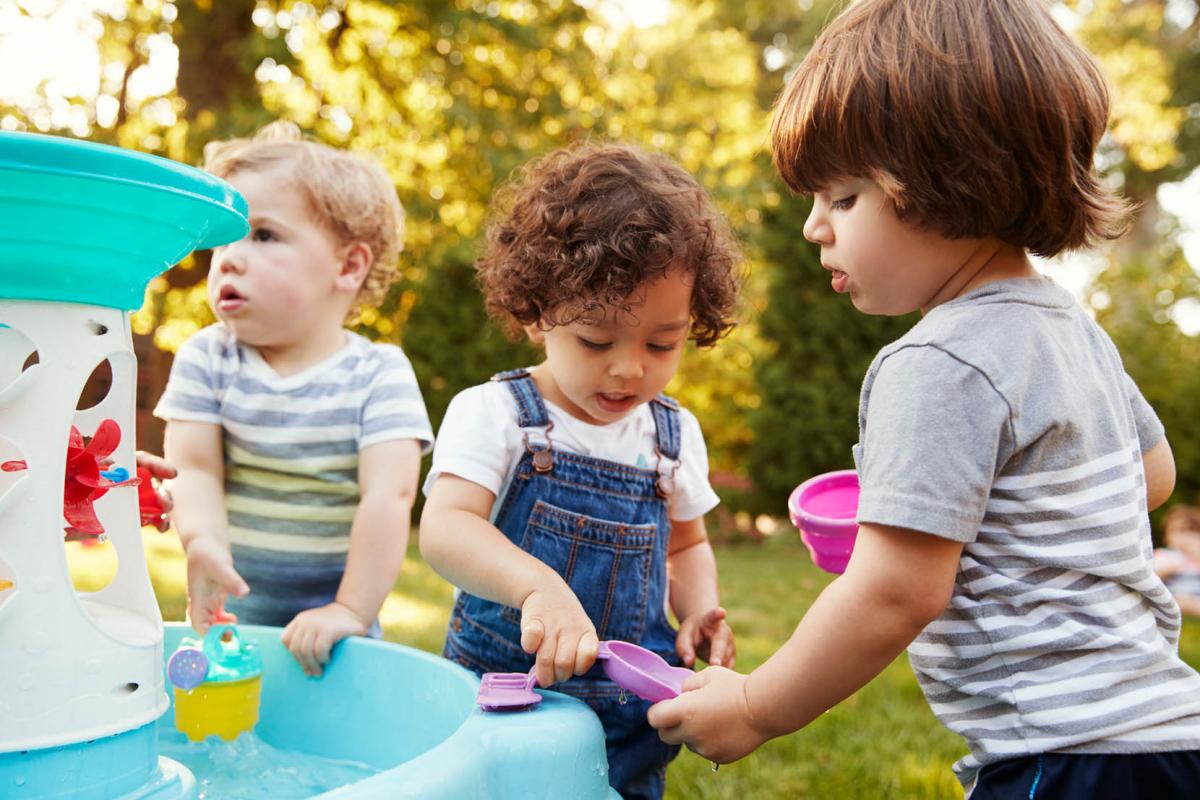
706, 634
555, 627
711, 717
211, 577
311, 635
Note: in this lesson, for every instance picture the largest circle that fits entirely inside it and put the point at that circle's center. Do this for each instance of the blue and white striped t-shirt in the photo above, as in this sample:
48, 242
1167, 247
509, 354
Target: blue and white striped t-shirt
1004, 419
291, 455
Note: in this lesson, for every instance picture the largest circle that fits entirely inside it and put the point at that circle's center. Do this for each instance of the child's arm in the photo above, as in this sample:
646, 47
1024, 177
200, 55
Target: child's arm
1159, 464
897, 582
195, 448
692, 571
458, 541
387, 480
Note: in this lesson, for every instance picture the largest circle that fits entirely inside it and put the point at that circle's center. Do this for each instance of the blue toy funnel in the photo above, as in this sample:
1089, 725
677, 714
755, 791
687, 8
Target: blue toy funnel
89, 223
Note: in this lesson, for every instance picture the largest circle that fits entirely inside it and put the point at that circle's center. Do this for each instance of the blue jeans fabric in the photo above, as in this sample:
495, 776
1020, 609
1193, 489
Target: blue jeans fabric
603, 527
1086, 776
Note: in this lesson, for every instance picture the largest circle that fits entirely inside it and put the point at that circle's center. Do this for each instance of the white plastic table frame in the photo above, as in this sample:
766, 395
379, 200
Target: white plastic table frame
75, 666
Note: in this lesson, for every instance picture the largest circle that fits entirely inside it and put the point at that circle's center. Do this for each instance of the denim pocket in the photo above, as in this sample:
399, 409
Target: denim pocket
606, 564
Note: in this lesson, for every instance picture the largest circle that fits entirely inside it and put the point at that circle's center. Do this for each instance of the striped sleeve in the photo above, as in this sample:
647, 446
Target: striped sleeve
394, 408
193, 391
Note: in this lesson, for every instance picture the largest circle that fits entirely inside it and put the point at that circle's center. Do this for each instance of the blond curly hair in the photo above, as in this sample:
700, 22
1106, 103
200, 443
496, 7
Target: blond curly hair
348, 193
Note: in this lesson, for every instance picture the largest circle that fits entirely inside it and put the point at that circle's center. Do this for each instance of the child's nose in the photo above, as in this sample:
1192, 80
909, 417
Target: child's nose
816, 228
626, 364
229, 258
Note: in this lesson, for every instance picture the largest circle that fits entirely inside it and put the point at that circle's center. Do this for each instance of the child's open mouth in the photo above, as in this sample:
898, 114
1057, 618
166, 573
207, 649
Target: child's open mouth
615, 403
229, 300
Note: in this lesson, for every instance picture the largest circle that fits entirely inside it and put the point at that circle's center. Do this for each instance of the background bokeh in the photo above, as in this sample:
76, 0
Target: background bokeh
452, 95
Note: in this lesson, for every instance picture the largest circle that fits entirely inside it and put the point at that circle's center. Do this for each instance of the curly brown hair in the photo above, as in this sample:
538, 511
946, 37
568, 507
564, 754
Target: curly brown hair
583, 227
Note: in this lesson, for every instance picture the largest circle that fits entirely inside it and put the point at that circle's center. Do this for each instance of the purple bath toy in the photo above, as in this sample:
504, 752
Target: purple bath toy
187, 668
507, 691
824, 509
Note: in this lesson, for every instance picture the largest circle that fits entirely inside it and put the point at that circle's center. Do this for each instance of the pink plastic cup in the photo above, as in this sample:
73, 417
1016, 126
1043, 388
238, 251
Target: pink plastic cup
824, 508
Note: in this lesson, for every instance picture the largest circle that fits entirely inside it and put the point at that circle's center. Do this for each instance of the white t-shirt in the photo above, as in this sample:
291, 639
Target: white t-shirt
480, 441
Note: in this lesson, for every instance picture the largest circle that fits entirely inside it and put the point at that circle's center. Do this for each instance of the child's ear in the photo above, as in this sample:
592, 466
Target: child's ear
535, 333
357, 259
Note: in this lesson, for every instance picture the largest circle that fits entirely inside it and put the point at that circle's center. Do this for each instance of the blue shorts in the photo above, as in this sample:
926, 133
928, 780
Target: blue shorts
1087, 776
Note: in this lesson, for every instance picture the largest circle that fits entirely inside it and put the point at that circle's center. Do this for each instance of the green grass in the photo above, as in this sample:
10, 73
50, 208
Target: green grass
882, 742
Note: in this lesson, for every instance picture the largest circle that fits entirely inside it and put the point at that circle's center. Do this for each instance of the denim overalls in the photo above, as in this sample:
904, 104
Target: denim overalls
604, 528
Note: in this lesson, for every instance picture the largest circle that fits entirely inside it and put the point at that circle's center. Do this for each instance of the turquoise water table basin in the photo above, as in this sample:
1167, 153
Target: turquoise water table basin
412, 715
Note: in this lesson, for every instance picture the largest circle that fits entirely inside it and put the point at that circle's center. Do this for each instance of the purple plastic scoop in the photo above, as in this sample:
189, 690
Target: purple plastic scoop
507, 691
635, 669
638, 670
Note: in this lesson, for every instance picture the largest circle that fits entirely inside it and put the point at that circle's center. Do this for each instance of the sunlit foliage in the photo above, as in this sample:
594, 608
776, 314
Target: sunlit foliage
453, 95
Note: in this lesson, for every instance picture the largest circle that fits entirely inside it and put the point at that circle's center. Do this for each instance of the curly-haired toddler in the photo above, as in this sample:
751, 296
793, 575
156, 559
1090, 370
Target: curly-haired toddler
567, 501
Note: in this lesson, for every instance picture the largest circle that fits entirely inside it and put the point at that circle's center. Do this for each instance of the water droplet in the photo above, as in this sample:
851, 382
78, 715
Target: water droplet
715, 766
622, 698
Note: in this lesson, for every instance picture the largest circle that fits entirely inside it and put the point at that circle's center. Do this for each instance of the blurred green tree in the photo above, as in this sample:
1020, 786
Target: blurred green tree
1150, 50
453, 96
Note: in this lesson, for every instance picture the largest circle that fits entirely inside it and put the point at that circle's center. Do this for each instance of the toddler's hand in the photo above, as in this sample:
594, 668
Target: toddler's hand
311, 635
211, 577
706, 634
711, 717
555, 627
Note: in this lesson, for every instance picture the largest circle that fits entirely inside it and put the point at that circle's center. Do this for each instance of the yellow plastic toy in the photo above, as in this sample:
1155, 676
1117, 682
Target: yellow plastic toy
218, 684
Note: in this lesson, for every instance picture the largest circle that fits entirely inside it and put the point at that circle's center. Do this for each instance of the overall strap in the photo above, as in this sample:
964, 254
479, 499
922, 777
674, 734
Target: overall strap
666, 426
666, 422
531, 411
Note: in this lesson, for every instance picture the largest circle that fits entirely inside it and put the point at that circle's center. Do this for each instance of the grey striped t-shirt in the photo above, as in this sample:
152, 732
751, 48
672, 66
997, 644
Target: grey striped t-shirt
291, 455
1004, 419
